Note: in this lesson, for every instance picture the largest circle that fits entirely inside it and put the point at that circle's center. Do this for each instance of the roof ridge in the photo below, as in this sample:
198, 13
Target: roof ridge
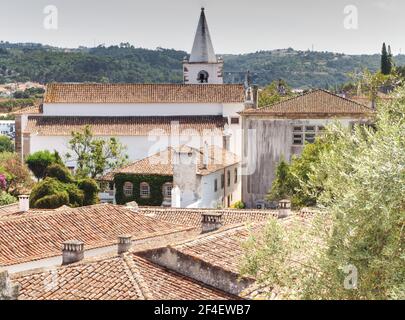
136, 277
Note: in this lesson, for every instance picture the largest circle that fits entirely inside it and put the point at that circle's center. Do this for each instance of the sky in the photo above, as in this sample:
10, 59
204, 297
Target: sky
344, 26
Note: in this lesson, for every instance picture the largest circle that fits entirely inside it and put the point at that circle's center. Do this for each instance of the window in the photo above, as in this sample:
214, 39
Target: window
307, 133
297, 135
235, 120
128, 189
202, 76
222, 181
215, 185
144, 190
167, 190
236, 176
228, 178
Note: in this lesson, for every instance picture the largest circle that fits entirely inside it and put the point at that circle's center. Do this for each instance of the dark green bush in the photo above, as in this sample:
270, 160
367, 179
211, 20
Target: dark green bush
59, 172
76, 196
39, 161
53, 201
90, 189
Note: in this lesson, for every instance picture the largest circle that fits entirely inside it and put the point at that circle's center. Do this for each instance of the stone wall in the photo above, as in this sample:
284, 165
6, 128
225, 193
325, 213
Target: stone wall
199, 270
8, 290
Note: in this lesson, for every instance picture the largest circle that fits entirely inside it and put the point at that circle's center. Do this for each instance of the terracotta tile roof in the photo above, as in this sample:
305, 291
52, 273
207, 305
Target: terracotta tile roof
143, 93
317, 102
125, 277
27, 110
9, 209
125, 126
36, 235
161, 163
221, 249
192, 217
224, 248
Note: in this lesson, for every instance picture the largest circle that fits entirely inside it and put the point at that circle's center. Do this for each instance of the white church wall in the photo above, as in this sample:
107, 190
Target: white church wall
138, 147
135, 109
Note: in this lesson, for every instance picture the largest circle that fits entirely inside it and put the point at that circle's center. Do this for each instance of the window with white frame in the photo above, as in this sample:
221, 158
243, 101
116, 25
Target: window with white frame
144, 190
128, 189
236, 176
167, 190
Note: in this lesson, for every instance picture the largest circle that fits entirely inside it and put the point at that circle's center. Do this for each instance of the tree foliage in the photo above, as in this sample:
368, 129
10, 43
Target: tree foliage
6, 145
39, 161
386, 60
274, 92
16, 173
291, 180
354, 249
93, 156
59, 188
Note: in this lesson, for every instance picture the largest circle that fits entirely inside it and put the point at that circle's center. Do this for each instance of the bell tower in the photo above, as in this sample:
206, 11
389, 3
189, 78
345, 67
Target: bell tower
203, 66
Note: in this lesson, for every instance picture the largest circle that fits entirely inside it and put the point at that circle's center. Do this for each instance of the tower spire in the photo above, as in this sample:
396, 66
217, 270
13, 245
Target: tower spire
203, 51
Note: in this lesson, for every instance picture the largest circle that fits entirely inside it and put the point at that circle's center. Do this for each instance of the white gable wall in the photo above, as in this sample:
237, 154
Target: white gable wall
138, 109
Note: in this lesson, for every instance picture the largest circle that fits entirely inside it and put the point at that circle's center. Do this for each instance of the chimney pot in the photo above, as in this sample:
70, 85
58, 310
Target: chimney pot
24, 203
211, 222
284, 208
72, 251
124, 243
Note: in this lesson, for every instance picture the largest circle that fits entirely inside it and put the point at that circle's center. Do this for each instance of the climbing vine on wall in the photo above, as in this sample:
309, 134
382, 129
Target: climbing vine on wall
155, 182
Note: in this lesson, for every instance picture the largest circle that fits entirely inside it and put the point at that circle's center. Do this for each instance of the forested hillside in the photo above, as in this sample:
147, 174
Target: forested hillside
124, 63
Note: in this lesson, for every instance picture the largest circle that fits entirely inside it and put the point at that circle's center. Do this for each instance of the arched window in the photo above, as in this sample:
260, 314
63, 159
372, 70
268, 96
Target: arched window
167, 190
202, 76
128, 189
144, 190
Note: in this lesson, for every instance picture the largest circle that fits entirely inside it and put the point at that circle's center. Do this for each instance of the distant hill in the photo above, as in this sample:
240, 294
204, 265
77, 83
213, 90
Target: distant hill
124, 63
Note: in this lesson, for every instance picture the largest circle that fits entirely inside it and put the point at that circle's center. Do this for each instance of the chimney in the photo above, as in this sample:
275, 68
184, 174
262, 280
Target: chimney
24, 203
284, 208
72, 251
8, 290
211, 222
124, 243
255, 96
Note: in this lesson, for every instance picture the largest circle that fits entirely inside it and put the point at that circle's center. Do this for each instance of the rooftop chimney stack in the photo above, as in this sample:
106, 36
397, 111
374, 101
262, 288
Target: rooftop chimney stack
72, 251
284, 208
124, 243
211, 222
24, 203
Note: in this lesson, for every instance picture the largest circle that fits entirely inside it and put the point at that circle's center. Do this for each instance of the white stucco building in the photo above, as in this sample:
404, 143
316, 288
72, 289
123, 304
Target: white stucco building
181, 177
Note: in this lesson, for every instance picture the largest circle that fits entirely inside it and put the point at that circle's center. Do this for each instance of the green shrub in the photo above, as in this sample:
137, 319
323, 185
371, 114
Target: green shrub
90, 189
39, 161
53, 201
238, 205
59, 172
6, 145
6, 198
76, 196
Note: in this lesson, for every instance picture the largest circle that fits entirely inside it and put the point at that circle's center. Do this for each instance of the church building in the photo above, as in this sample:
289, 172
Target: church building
146, 118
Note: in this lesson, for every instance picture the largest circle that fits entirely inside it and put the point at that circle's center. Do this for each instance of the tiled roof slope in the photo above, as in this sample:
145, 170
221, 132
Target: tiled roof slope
313, 102
125, 277
36, 235
162, 162
192, 217
9, 209
125, 126
143, 93
27, 110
